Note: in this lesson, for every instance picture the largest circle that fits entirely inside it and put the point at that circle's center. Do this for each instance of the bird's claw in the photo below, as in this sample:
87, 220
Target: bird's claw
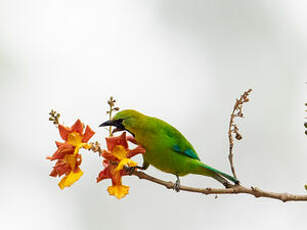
130, 170
177, 185
227, 185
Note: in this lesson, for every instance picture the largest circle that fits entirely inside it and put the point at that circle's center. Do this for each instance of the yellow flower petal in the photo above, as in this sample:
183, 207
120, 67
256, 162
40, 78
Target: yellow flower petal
71, 160
119, 191
86, 146
124, 162
71, 178
119, 152
74, 139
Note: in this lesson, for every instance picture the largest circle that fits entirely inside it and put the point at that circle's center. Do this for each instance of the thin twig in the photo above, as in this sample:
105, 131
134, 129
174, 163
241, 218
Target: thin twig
111, 103
305, 123
96, 147
233, 128
54, 117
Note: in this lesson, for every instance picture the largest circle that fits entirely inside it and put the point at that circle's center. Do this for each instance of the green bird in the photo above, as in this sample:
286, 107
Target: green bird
166, 148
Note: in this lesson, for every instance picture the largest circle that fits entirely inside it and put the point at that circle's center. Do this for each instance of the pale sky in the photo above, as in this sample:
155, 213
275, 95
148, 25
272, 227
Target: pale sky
182, 61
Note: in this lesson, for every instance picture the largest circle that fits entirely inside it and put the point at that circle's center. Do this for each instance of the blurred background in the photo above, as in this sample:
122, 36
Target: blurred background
182, 61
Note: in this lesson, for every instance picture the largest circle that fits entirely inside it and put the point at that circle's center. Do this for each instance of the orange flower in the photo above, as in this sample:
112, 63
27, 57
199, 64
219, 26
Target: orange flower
116, 157
67, 154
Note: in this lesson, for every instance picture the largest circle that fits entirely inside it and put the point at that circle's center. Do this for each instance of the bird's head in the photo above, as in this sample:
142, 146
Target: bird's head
125, 120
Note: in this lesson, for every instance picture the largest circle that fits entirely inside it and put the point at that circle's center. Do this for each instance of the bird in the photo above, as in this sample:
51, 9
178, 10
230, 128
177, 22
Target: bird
166, 148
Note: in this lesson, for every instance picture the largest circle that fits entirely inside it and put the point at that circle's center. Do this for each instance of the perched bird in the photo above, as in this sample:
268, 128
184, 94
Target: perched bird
166, 148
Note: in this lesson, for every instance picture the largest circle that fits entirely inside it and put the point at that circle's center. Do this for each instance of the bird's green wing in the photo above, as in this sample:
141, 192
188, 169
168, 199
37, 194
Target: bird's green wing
177, 141
188, 152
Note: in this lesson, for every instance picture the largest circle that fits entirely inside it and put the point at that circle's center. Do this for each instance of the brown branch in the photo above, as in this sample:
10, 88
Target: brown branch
234, 189
237, 189
233, 128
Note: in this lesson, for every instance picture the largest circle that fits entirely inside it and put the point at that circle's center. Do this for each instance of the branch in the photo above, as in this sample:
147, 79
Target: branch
237, 189
233, 128
234, 189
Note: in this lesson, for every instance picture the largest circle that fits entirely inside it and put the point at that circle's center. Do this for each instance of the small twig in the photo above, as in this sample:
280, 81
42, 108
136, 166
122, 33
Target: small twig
233, 128
305, 123
111, 103
96, 147
54, 117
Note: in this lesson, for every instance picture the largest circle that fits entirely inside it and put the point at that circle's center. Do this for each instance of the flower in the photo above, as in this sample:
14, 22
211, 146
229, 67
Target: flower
116, 158
67, 154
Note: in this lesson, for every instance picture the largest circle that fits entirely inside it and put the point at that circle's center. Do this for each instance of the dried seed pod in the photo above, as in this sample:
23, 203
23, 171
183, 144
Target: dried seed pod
238, 136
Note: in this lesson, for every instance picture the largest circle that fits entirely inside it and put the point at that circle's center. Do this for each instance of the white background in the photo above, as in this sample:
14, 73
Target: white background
182, 61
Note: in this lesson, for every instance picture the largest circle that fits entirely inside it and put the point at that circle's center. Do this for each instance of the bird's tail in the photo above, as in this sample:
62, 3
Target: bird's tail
218, 175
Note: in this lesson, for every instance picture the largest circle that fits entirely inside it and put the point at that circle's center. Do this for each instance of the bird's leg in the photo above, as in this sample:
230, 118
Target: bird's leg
227, 185
177, 184
223, 181
130, 170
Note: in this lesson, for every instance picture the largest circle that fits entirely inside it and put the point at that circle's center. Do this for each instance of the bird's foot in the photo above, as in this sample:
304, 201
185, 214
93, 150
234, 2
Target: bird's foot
131, 170
177, 185
227, 185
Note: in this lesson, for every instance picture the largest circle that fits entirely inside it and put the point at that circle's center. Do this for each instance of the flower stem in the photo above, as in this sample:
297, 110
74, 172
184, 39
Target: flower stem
111, 103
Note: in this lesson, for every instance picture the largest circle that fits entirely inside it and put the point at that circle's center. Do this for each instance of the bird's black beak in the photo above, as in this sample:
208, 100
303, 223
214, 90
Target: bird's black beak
116, 123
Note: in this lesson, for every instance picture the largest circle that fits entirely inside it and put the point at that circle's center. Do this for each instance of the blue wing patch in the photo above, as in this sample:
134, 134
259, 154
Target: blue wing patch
187, 152
177, 148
